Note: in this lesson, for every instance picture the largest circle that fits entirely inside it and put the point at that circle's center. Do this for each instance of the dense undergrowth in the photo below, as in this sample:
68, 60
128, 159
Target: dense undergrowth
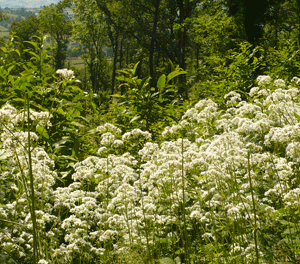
216, 185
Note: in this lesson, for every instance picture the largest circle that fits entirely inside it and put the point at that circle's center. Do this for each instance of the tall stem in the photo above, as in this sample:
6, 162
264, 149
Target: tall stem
254, 210
33, 216
185, 240
144, 215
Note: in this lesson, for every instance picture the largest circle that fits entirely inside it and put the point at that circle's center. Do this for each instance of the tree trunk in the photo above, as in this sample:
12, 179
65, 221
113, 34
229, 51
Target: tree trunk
152, 44
115, 50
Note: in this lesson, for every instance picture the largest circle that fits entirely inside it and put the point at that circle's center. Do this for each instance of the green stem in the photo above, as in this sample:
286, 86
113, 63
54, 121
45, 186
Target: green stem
185, 240
254, 210
144, 215
33, 216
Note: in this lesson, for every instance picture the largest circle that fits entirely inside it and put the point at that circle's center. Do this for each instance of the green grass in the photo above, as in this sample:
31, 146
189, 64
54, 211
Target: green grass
77, 62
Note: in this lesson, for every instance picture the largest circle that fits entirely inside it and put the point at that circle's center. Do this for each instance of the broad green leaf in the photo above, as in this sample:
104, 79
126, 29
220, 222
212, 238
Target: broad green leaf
297, 116
134, 68
39, 106
33, 44
161, 83
17, 51
33, 54
175, 74
61, 142
117, 95
43, 132
10, 68
11, 79
4, 49
123, 71
60, 111
27, 72
125, 79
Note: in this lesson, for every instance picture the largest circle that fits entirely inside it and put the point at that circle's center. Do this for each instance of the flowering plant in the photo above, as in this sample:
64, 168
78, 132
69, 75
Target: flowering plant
221, 187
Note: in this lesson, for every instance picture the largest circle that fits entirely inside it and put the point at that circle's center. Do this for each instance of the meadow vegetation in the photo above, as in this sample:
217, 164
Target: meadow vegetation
153, 179
174, 140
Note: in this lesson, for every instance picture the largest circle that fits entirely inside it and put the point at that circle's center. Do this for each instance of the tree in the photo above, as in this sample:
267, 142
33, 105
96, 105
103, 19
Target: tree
251, 14
54, 22
25, 30
160, 29
3, 16
90, 31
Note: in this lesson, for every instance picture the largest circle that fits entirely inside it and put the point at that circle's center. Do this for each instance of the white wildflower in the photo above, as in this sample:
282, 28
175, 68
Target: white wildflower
279, 83
253, 91
263, 80
232, 98
66, 74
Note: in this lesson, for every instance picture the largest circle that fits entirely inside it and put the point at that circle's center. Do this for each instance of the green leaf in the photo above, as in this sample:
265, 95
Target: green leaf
117, 95
166, 261
123, 71
10, 68
92, 131
61, 111
39, 106
17, 51
75, 149
11, 79
175, 74
161, 83
134, 68
77, 124
297, 116
291, 230
33, 54
137, 117
43, 132
125, 79
18, 100
33, 44
3, 49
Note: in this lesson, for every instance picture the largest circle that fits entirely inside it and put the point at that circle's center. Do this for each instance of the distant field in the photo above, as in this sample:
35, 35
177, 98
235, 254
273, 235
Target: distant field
3, 29
3, 34
77, 62
13, 16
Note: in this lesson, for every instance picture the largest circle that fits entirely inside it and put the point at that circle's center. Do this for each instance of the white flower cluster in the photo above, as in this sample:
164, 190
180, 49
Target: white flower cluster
263, 80
39, 118
232, 98
15, 180
135, 134
202, 171
107, 127
66, 74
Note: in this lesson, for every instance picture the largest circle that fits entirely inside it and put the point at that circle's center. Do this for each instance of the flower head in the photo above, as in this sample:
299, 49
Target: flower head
263, 80
65, 74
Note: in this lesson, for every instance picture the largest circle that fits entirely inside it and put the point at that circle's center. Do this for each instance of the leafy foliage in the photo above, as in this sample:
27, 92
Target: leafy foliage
219, 184
148, 107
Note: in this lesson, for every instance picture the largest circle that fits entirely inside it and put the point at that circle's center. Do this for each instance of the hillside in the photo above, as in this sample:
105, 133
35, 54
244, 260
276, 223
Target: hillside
26, 3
